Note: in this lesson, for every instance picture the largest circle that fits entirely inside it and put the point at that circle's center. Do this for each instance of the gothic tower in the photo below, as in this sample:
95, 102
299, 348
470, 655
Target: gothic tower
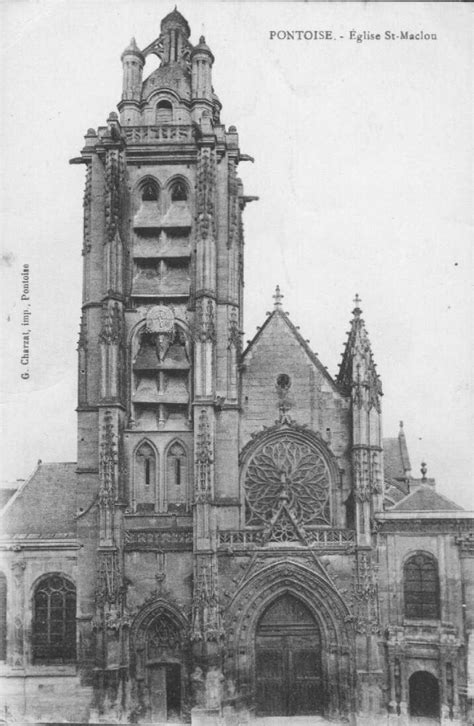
232, 540
160, 341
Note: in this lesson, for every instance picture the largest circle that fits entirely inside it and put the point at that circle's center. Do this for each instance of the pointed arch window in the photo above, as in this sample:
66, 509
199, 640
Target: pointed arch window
164, 112
179, 193
176, 465
3, 617
54, 621
421, 587
149, 191
176, 474
145, 474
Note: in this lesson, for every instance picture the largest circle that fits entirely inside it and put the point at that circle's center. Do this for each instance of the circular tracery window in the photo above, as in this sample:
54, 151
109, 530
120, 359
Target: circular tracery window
287, 469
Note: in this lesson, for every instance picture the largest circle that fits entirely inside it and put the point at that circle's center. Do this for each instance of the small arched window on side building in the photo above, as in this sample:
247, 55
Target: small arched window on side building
3, 617
145, 476
54, 621
421, 587
164, 113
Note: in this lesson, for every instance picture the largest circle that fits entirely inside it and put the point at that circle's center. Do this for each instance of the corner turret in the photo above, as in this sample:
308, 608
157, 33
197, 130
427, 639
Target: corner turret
202, 60
132, 62
358, 378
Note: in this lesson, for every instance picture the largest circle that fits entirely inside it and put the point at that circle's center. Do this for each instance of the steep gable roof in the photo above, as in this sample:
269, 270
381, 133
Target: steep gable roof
279, 313
425, 499
45, 504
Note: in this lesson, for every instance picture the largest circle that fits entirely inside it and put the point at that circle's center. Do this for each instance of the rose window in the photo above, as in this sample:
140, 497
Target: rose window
288, 470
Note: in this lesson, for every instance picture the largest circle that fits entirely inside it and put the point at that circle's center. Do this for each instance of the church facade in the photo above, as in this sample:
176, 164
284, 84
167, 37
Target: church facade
236, 538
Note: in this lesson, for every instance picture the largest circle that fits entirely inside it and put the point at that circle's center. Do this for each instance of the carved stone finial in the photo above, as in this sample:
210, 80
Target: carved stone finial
278, 297
401, 426
357, 310
424, 470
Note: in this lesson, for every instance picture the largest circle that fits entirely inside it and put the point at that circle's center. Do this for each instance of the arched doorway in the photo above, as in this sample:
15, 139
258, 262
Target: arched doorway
423, 694
288, 669
164, 648
160, 664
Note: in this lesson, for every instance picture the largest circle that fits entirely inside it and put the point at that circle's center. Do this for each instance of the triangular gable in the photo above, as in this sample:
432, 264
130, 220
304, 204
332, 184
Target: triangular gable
284, 527
278, 313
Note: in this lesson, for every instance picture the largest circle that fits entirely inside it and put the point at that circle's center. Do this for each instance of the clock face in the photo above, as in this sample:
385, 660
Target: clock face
290, 468
159, 319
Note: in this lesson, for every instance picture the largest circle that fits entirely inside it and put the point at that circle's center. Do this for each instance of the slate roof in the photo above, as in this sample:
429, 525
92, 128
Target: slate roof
5, 495
396, 458
425, 499
45, 504
394, 463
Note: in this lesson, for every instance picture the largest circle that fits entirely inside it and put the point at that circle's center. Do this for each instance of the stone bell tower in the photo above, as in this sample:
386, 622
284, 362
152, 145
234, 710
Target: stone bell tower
159, 347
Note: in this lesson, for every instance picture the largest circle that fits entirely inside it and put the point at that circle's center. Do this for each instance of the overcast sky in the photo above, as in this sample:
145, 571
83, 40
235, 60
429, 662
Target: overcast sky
362, 167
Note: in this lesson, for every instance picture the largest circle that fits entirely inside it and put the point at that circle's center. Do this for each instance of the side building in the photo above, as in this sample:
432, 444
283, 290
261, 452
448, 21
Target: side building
236, 538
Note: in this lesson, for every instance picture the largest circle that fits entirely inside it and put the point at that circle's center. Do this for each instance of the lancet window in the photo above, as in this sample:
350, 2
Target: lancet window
176, 465
177, 474
149, 191
179, 193
145, 475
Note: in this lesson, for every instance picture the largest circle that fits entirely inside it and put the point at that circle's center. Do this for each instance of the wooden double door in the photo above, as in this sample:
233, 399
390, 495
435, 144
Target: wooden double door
288, 665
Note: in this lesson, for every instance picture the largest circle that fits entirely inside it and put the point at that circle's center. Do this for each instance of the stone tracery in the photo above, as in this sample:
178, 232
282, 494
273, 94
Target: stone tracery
287, 468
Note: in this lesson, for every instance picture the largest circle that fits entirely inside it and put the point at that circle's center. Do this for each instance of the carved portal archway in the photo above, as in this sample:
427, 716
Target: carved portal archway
288, 660
317, 596
160, 661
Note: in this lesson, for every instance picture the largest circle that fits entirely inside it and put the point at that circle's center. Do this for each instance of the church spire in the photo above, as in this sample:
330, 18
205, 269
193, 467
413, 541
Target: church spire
358, 366
359, 380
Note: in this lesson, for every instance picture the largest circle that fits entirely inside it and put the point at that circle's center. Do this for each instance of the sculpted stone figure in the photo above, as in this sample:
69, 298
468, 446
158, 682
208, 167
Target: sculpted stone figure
214, 680
197, 678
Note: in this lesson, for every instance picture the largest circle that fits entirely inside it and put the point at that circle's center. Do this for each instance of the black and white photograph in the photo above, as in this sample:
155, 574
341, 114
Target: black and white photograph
236, 392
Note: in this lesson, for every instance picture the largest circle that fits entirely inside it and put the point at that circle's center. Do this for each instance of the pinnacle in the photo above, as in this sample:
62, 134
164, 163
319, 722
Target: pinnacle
278, 297
357, 310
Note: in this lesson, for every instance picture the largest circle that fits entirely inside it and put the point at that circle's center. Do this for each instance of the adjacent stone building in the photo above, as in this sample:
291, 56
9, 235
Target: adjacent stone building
236, 538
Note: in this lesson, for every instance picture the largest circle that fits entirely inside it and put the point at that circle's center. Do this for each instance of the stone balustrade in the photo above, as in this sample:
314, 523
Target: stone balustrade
172, 134
327, 538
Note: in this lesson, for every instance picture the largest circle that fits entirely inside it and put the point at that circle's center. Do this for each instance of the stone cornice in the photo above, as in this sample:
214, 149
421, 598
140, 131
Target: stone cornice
20, 543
